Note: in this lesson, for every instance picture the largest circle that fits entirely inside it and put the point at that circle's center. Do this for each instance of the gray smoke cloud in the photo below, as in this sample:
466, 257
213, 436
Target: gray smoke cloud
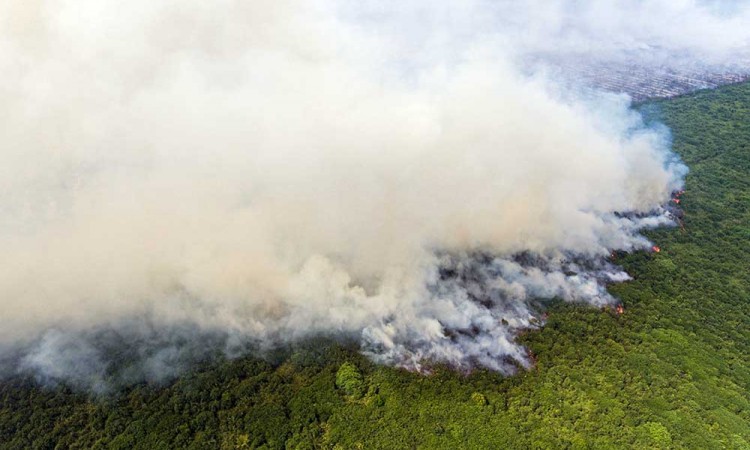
262, 172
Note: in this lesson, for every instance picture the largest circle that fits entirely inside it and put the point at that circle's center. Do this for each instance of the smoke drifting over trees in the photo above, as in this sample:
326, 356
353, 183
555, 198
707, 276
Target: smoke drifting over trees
260, 172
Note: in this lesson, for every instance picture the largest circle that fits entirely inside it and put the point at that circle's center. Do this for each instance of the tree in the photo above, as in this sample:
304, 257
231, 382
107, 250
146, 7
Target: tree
349, 379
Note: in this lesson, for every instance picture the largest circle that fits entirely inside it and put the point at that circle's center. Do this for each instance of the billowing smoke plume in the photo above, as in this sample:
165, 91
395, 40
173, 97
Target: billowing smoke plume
262, 172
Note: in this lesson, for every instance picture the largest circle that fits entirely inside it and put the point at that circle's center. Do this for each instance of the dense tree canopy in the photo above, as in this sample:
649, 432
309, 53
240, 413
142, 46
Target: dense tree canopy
673, 371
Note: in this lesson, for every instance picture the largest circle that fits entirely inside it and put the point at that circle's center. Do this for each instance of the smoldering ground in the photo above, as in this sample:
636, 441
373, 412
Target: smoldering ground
179, 179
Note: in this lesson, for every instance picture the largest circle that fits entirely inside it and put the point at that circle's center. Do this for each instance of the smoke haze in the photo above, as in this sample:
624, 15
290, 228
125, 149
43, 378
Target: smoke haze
271, 170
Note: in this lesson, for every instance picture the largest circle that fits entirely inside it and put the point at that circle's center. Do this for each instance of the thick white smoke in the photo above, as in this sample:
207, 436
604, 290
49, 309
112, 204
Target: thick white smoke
275, 169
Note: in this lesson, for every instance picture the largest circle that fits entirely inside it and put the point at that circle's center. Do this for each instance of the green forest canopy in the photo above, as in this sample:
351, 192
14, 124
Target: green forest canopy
672, 372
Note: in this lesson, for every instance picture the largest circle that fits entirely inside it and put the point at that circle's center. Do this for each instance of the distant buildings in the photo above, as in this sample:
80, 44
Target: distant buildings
644, 76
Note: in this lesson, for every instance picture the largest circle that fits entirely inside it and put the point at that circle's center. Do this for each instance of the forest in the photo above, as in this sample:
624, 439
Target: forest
671, 372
